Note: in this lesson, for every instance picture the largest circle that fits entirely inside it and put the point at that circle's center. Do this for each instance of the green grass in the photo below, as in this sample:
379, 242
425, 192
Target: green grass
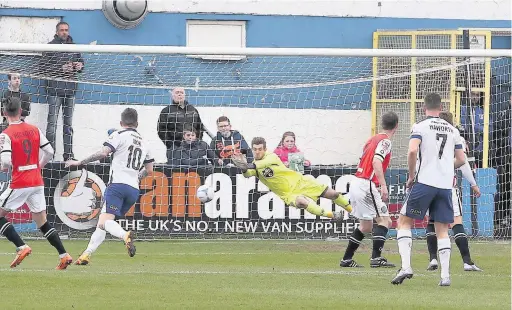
246, 275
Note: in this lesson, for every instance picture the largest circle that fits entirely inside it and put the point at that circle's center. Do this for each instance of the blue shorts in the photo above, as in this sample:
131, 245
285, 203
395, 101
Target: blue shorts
438, 201
119, 198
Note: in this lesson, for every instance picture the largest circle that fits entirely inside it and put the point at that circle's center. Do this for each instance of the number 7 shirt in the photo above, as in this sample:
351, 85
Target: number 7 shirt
129, 154
439, 139
20, 145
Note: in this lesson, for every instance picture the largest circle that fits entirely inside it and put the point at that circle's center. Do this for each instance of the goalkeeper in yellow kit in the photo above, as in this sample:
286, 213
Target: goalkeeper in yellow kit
291, 186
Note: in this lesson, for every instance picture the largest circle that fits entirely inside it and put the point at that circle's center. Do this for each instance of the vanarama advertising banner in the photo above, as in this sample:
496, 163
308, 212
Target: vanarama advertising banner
168, 205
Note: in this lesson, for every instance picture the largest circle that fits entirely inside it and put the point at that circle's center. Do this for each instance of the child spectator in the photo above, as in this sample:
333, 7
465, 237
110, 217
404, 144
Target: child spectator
286, 147
191, 152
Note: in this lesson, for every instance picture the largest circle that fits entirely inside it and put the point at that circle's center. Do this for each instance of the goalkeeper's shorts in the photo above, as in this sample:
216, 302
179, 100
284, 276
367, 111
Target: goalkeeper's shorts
306, 187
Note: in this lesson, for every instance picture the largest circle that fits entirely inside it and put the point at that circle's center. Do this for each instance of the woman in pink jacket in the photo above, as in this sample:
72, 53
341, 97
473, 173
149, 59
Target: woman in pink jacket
287, 146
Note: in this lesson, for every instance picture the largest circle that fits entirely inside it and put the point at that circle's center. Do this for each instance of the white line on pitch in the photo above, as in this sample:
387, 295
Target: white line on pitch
171, 254
90, 270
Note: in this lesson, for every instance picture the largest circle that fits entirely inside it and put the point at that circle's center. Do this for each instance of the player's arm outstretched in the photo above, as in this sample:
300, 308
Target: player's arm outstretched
240, 161
249, 169
100, 154
47, 148
108, 147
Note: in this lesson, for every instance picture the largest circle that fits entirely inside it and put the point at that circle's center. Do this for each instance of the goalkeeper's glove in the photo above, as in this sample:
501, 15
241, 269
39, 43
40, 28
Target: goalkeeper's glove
240, 161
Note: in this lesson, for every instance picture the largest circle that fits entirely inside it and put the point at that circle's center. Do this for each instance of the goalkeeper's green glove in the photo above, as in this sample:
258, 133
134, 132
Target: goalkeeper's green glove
240, 161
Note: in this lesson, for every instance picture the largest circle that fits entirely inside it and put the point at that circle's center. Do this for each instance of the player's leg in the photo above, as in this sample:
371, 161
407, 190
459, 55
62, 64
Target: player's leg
114, 202
459, 234
445, 249
37, 204
381, 214
354, 241
415, 206
338, 199
97, 238
306, 195
432, 245
303, 202
461, 240
11, 200
441, 211
380, 233
359, 200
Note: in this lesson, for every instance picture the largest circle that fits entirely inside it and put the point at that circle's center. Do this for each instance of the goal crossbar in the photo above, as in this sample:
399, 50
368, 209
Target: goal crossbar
182, 50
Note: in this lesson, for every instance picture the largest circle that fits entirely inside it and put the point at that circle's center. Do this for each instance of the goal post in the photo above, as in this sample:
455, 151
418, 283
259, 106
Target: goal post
330, 98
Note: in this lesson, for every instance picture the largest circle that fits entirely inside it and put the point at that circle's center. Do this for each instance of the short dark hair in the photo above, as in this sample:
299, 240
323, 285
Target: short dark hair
389, 120
12, 106
60, 24
432, 101
258, 141
223, 119
447, 116
129, 117
189, 128
9, 75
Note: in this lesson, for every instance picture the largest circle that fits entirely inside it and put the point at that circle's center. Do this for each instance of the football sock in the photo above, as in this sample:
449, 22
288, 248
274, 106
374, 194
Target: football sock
379, 237
445, 249
10, 233
53, 237
404, 238
342, 201
315, 209
97, 239
115, 229
353, 243
461, 239
431, 241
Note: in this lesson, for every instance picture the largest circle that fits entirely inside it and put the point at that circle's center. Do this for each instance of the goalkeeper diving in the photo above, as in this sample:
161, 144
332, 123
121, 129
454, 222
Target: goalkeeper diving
291, 186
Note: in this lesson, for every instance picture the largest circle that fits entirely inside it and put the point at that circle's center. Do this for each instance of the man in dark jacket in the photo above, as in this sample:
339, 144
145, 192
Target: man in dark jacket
61, 92
191, 152
13, 90
228, 142
173, 117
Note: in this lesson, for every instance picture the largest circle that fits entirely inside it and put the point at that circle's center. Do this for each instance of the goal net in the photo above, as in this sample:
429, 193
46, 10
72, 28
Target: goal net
331, 99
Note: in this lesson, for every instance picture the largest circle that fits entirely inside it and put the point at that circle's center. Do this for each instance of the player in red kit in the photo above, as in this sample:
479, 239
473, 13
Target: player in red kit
20, 144
368, 193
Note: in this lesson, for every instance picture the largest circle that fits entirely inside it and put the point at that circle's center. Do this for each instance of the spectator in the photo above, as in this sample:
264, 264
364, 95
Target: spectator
61, 93
472, 121
501, 159
173, 117
286, 147
13, 90
191, 152
228, 142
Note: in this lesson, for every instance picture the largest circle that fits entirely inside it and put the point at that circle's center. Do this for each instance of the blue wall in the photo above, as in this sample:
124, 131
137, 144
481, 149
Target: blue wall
261, 31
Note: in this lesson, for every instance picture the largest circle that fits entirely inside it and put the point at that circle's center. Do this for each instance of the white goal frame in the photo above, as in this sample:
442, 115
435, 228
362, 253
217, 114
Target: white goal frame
250, 51
459, 57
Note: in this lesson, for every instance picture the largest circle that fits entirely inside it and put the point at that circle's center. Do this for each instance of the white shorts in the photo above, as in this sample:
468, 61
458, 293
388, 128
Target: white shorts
12, 199
366, 200
456, 202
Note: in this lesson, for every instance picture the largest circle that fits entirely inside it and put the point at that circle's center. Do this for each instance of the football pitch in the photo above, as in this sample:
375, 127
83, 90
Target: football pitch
239, 274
